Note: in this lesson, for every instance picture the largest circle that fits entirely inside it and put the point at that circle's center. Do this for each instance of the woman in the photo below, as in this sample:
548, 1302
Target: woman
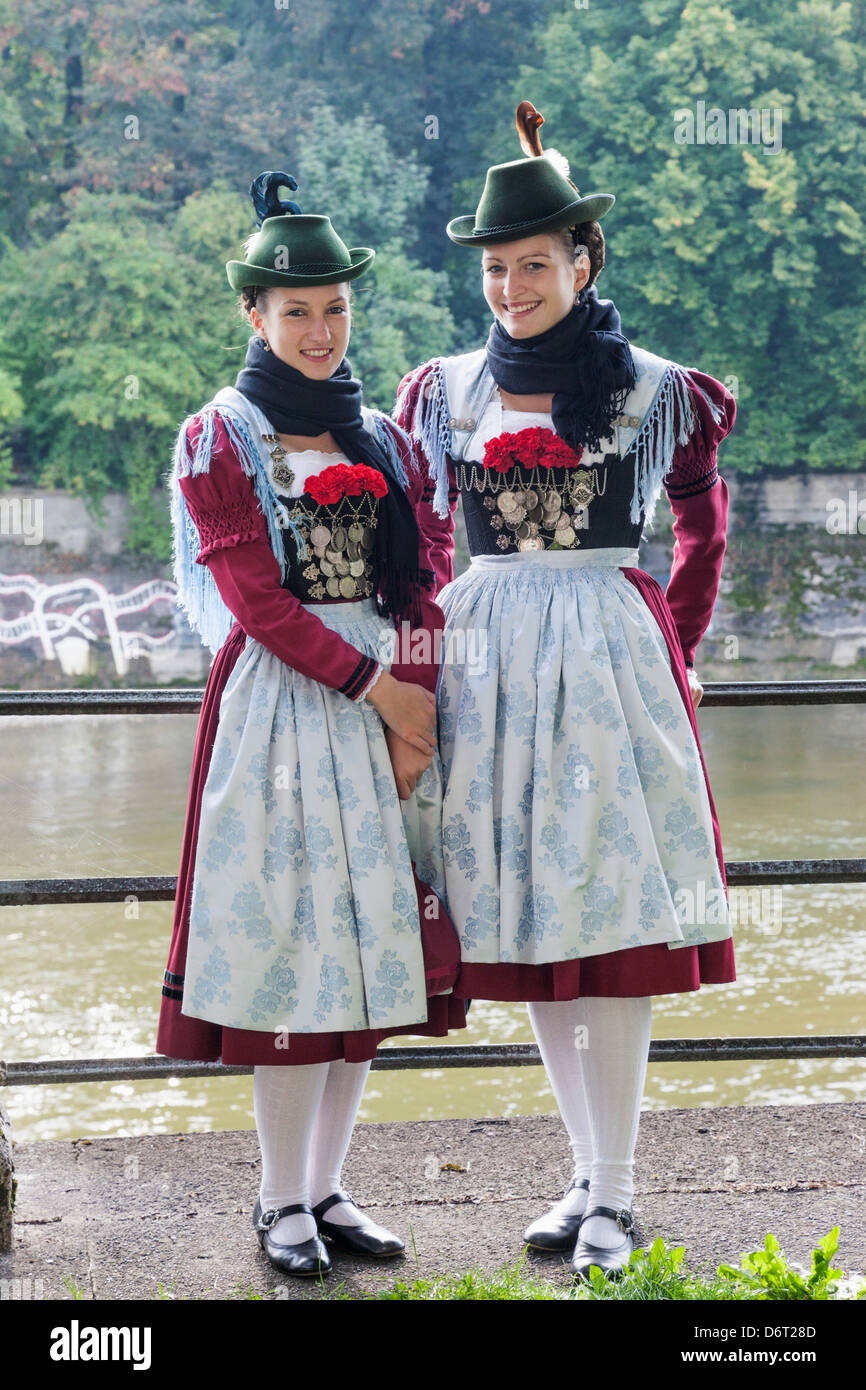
583, 860
308, 924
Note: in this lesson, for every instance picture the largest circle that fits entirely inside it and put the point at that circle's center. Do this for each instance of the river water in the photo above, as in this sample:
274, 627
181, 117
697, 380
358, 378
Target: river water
82, 796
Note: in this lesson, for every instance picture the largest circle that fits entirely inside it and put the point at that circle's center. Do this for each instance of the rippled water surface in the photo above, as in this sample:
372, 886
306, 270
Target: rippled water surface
106, 796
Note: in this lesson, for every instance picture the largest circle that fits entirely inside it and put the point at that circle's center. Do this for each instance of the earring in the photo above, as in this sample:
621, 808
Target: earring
266, 345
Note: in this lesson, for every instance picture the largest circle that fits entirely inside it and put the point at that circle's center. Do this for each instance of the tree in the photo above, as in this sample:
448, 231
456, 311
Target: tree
400, 307
124, 328
745, 263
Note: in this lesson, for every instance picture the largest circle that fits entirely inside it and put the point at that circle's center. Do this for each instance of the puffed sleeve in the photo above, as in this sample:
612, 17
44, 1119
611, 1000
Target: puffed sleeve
235, 548
437, 531
699, 501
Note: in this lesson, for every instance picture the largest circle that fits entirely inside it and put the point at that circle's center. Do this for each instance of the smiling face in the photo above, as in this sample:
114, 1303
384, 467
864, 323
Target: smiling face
307, 328
531, 284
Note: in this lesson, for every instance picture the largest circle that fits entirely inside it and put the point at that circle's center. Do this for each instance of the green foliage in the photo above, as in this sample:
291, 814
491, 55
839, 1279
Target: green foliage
347, 168
724, 256
765, 1274
129, 325
791, 570
660, 1272
125, 328
131, 138
399, 319
400, 314
11, 410
164, 1292
11, 402
657, 1273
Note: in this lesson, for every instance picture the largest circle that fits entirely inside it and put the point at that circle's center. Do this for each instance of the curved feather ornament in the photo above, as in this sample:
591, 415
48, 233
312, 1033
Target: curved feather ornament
528, 122
265, 193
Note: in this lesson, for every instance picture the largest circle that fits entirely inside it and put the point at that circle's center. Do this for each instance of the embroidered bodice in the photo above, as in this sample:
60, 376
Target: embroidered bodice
666, 439
553, 499
234, 540
333, 505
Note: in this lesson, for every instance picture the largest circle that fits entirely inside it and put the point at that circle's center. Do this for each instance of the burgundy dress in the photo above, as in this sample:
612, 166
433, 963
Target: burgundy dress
236, 549
699, 500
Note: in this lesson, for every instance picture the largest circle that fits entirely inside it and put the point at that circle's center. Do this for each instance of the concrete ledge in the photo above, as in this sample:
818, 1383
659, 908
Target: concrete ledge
121, 1216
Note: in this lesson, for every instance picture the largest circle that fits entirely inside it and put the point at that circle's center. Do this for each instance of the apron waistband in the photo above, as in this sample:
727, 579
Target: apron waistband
611, 556
350, 611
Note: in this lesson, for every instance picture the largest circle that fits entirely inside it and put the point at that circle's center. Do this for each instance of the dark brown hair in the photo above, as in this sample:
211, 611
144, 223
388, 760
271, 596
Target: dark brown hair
252, 297
588, 234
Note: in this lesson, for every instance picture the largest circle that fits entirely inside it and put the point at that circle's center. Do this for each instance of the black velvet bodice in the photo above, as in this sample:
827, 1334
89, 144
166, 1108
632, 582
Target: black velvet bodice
540, 508
340, 538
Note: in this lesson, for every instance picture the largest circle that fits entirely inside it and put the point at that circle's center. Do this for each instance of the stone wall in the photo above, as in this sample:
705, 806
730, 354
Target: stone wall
792, 601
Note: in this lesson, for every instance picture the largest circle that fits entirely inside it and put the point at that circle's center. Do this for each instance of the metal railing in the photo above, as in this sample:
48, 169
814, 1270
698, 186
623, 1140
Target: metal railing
746, 873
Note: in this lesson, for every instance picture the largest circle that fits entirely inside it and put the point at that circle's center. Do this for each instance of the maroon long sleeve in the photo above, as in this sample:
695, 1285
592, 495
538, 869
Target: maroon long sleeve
699, 501
235, 547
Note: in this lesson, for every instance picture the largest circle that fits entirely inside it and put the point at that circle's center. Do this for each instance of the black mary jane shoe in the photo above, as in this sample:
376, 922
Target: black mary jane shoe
611, 1260
556, 1233
307, 1259
360, 1240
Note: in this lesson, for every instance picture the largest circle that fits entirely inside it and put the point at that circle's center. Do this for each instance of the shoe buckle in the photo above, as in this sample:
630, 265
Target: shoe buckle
268, 1219
625, 1221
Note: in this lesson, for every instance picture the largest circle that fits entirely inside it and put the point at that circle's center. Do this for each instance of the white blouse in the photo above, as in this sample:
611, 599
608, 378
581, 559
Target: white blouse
497, 419
305, 464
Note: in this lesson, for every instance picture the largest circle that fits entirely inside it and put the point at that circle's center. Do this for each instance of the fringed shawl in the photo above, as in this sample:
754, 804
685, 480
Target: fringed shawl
197, 593
427, 423
660, 400
657, 440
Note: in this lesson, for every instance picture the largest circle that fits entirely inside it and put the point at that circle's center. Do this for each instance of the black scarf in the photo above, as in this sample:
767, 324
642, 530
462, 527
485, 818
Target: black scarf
298, 404
583, 359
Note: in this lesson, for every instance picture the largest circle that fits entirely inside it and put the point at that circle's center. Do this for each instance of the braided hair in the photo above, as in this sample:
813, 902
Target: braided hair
590, 235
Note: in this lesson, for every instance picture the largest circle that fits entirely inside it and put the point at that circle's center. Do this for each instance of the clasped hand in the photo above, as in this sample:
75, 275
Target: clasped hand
409, 713
407, 763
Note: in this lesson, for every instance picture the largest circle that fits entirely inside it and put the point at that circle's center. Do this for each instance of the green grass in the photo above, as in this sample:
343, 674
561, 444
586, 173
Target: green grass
659, 1273
509, 1283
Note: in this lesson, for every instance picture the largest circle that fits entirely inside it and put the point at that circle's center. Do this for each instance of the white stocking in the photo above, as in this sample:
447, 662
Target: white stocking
555, 1025
614, 1071
332, 1135
286, 1101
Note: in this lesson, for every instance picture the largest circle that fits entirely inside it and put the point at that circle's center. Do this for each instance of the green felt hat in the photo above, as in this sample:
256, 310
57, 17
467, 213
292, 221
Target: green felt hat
293, 248
529, 195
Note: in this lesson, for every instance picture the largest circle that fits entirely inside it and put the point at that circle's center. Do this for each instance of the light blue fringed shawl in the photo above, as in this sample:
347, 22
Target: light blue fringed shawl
655, 442
661, 387
197, 594
428, 425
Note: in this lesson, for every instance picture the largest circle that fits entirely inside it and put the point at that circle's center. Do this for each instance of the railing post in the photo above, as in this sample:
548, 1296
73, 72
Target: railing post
7, 1181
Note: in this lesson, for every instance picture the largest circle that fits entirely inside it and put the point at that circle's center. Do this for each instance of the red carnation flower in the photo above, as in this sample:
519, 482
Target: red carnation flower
530, 448
343, 480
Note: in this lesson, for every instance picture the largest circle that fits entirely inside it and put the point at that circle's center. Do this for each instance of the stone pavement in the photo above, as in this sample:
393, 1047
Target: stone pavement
119, 1217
